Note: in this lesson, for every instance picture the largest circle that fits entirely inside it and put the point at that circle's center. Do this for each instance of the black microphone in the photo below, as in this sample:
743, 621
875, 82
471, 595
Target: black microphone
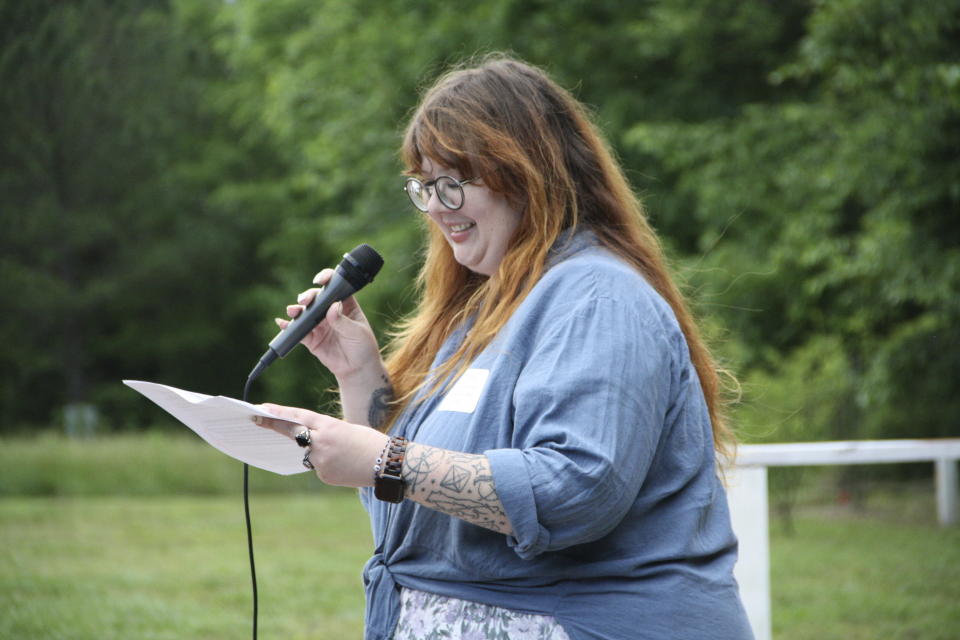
355, 271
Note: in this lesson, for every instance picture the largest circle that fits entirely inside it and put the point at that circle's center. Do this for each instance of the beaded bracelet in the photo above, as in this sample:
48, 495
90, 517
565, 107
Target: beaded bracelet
378, 465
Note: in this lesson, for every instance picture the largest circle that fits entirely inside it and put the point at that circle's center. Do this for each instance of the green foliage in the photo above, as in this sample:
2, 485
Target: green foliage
801, 397
121, 262
829, 211
180, 170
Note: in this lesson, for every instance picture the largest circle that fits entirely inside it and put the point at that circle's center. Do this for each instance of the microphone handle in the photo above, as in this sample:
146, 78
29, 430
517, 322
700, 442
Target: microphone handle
336, 289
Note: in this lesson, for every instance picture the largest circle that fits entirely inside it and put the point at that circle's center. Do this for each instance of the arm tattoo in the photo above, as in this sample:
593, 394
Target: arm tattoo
458, 484
380, 404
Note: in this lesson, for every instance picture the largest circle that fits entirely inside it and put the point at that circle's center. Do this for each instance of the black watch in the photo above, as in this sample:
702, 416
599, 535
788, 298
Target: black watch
388, 485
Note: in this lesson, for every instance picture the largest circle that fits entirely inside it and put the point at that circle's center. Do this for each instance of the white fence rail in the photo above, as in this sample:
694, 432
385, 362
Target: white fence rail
747, 493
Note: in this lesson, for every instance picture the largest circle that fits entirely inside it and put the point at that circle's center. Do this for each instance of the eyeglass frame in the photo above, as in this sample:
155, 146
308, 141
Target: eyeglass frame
429, 184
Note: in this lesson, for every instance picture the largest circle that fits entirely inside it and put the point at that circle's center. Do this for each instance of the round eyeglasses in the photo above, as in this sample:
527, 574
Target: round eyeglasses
449, 190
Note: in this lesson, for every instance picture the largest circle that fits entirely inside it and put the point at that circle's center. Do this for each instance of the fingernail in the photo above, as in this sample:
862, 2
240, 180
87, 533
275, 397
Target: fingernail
257, 420
301, 297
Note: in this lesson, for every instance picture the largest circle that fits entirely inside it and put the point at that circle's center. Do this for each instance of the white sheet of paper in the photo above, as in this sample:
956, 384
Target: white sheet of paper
466, 392
225, 423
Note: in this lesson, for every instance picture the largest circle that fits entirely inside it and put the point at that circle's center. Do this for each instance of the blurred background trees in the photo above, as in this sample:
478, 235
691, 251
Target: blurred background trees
174, 172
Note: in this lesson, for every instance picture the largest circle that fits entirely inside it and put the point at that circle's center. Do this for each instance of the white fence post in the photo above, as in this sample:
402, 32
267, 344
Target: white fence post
747, 495
946, 480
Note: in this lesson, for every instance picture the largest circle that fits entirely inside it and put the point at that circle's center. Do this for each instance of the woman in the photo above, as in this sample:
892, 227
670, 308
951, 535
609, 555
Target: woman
548, 418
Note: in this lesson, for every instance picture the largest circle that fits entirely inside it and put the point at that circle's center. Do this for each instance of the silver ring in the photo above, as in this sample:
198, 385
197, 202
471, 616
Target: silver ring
303, 438
306, 460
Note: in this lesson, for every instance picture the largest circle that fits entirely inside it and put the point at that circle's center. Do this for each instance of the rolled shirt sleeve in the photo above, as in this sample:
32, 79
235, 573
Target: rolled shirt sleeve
589, 408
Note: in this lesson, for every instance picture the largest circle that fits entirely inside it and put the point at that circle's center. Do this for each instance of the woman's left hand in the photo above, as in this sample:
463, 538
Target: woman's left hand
342, 454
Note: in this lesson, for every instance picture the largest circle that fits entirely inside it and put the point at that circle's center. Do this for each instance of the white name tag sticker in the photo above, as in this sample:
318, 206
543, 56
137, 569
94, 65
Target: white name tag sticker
465, 394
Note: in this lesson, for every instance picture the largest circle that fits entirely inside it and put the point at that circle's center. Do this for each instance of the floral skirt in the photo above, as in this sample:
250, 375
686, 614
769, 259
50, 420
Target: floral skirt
427, 616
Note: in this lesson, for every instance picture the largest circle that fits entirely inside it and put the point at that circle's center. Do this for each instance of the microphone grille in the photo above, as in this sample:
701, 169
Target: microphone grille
366, 260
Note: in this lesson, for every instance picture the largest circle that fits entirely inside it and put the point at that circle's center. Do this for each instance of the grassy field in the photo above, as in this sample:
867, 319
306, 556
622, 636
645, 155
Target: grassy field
166, 568
856, 578
134, 464
78, 562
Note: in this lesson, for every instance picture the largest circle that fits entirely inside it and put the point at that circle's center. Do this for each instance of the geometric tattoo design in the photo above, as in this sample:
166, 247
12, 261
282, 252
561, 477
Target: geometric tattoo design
458, 484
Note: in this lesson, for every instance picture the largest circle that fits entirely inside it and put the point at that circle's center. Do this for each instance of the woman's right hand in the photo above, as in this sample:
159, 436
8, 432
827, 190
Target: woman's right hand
344, 343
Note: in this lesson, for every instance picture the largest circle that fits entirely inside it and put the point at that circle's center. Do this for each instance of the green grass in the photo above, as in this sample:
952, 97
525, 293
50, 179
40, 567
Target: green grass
143, 537
854, 577
159, 568
154, 463
176, 567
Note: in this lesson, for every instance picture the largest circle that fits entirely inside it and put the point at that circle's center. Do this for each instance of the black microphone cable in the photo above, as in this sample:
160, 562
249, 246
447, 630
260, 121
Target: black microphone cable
246, 501
253, 566
355, 271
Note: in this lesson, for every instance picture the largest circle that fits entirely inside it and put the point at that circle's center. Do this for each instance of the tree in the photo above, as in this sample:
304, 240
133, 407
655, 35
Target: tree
179, 170
118, 253
829, 212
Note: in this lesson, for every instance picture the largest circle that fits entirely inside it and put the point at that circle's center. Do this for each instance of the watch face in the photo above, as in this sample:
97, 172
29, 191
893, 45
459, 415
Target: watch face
388, 489
388, 486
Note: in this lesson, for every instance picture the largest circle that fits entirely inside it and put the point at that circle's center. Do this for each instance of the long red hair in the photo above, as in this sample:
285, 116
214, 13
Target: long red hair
528, 139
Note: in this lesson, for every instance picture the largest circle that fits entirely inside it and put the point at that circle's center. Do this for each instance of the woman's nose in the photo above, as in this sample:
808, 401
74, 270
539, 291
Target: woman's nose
435, 204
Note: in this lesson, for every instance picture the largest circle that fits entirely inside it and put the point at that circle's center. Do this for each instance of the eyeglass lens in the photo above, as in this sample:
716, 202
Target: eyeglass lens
448, 190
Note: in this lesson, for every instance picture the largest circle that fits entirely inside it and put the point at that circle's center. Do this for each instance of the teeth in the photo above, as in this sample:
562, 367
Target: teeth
461, 227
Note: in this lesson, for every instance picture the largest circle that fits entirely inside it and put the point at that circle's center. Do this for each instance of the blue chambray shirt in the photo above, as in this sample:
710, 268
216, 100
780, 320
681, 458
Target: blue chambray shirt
599, 439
